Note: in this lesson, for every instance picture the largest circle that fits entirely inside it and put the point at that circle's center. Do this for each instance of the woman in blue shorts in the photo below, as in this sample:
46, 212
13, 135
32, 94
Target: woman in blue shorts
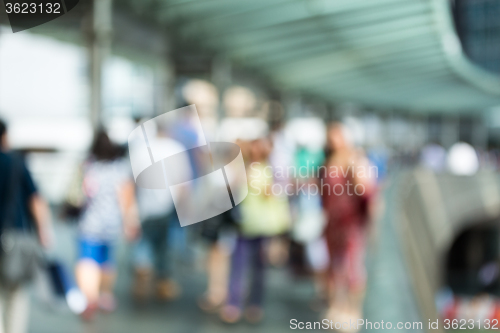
109, 208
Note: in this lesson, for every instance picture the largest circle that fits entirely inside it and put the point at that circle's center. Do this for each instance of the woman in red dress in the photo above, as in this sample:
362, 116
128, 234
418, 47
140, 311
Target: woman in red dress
347, 187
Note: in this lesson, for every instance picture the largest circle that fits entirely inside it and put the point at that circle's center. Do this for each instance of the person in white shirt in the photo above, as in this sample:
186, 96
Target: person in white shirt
157, 213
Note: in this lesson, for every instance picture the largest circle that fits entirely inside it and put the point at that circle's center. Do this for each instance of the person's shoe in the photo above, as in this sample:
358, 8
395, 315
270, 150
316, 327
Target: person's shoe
348, 318
208, 305
333, 314
254, 314
89, 313
167, 290
230, 314
343, 316
107, 302
142, 284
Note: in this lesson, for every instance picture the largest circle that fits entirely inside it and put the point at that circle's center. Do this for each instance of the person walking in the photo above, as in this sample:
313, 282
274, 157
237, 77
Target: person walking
263, 215
347, 188
109, 208
157, 214
24, 211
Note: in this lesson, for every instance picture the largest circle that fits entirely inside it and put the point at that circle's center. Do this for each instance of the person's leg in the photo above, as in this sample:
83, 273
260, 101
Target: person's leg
17, 311
218, 266
88, 271
331, 273
238, 268
4, 303
231, 312
278, 251
167, 289
159, 243
319, 261
349, 282
143, 268
340, 285
178, 239
337, 239
107, 300
254, 311
88, 275
257, 263
88, 278
338, 305
357, 271
336, 276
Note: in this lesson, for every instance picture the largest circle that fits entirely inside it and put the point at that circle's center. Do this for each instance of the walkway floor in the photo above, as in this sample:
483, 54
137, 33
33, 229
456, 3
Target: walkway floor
389, 296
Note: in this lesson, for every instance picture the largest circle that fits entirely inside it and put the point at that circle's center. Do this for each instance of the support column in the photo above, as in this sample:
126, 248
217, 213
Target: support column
166, 77
450, 130
99, 32
222, 78
480, 133
293, 104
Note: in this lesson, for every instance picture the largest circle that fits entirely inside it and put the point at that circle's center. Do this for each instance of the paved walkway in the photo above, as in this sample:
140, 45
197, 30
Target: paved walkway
389, 297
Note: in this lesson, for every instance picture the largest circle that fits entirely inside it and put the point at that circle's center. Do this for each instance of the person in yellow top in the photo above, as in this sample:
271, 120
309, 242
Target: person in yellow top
263, 214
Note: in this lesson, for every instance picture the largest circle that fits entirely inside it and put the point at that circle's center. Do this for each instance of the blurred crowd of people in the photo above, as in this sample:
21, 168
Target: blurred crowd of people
329, 226
312, 201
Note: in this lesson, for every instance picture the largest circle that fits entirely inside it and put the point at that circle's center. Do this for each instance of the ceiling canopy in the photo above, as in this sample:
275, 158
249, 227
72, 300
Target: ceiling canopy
401, 54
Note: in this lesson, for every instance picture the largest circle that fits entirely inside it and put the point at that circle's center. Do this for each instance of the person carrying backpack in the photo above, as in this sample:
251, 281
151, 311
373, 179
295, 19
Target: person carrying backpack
24, 226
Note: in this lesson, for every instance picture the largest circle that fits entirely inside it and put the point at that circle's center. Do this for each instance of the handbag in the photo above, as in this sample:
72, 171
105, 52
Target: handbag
21, 253
311, 220
265, 216
261, 215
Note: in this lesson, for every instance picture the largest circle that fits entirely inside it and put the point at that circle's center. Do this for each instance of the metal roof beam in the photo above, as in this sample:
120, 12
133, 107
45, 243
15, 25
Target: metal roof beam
377, 54
271, 15
350, 58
